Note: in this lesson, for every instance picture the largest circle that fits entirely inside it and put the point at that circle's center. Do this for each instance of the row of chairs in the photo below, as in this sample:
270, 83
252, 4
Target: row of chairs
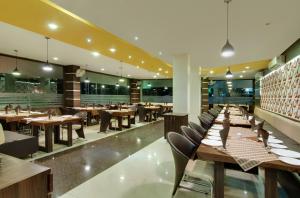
184, 146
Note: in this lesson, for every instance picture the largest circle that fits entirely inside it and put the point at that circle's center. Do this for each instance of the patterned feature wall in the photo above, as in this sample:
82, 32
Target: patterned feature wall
280, 90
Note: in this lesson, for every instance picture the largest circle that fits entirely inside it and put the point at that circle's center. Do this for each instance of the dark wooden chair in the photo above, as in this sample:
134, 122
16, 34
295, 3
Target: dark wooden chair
105, 118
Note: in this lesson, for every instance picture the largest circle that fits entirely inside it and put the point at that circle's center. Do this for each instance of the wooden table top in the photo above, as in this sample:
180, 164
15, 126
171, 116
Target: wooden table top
212, 154
152, 107
123, 112
14, 170
55, 120
89, 109
13, 117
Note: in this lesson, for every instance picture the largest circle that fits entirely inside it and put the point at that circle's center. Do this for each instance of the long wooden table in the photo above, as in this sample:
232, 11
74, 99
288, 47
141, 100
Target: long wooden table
12, 119
119, 114
53, 126
211, 154
91, 111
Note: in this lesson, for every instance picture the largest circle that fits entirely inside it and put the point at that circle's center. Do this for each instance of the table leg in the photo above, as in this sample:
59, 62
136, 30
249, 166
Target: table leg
48, 139
120, 123
69, 143
56, 134
219, 180
89, 119
271, 183
150, 119
129, 121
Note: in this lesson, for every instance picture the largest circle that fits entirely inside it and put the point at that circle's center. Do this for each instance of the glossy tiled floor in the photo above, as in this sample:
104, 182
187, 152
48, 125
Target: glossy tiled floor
149, 173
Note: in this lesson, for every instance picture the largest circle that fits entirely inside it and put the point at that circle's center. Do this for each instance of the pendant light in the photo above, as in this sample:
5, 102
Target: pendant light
227, 49
228, 73
121, 77
16, 71
47, 67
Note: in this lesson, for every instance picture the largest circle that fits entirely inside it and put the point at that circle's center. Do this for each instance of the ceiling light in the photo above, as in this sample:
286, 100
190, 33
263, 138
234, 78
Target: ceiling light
247, 67
87, 80
102, 69
47, 67
128, 75
165, 87
244, 71
154, 76
102, 86
227, 49
96, 54
211, 71
88, 40
229, 85
128, 86
121, 80
55, 58
159, 69
241, 76
228, 82
137, 66
136, 38
166, 72
117, 85
138, 87
157, 74
142, 62
16, 72
52, 26
129, 57
149, 85
160, 53
113, 50
228, 73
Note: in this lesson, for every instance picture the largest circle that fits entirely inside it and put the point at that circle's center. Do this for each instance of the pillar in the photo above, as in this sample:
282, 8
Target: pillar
71, 86
186, 87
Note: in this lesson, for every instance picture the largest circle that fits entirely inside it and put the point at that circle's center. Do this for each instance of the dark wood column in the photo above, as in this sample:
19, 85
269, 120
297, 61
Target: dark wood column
134, 91
204, 94
71, 86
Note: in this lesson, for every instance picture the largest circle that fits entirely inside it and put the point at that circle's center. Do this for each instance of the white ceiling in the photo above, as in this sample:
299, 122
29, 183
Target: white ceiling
33, 46
197, 27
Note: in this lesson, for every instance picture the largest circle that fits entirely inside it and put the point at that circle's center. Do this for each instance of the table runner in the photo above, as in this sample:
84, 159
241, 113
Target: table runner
247, 153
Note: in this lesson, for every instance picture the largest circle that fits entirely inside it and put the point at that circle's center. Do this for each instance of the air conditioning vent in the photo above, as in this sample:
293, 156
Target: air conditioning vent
277, 62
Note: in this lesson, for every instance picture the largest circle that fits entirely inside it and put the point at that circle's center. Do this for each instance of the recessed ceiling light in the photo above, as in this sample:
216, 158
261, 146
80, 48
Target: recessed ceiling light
136, 38
102, 69
113, 50
211, 71
244, 71
129, 57
166, 71
159, 69
55, 58
154, 76
247, 67
88, 40
142, 62
160, 53
241, 76
96, 54
157, 74
52, 26
137, 66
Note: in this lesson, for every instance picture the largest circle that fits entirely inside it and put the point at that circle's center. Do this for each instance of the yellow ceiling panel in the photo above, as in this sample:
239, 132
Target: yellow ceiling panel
253, 66
34, 15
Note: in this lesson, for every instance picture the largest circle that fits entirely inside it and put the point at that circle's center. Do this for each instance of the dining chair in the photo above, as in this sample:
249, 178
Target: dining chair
204, 123
105, 118
213, 112
198, 128
183, 151
143, 115
191, 135
208, 117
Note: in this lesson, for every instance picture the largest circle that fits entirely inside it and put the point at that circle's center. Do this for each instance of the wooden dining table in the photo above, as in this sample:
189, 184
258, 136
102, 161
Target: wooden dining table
91, 112
12, 119
119, 115
152, 112
209, 153
53, 126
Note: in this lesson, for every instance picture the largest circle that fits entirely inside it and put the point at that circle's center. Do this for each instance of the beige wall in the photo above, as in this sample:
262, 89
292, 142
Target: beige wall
287, 126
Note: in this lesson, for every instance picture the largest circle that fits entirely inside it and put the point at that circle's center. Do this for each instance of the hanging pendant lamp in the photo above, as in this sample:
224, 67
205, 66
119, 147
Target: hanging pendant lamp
121, 77
47, 67
86, 80
16, 72
228, 73
227, 49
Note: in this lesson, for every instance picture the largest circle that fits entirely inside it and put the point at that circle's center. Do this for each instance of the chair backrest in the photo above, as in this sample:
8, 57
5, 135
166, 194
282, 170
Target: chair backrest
198, 128
82, 115
209, 116
142, 113
182, 150
191, 135
105, 118
204, 123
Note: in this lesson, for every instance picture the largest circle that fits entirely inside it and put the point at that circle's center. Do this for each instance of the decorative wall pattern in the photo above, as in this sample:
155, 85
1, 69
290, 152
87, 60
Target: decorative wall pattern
280, 90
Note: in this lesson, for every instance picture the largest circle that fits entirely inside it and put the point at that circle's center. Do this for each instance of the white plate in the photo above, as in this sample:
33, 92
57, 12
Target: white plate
214, 134
210, 137
211, 142
290, 160
272, 137
286, 153
272, 140
279, 146
219, 127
